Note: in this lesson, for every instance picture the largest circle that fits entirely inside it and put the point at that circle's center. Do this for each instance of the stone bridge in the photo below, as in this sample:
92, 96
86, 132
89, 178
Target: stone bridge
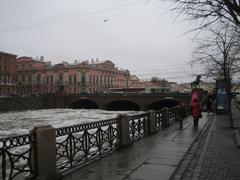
118, 101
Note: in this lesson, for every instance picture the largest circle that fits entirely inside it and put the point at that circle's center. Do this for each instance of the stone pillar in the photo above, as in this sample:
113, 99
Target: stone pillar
180, 115
124, 132
152, 122
165, 122
45, 152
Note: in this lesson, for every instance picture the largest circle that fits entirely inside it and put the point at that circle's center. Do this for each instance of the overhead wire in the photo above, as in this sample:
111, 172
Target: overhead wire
57, 19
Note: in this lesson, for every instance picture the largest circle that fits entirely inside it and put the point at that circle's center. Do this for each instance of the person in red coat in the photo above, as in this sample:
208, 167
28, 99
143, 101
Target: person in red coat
196, 109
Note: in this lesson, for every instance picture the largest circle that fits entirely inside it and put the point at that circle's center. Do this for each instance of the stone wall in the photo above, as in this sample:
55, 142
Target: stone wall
10, 104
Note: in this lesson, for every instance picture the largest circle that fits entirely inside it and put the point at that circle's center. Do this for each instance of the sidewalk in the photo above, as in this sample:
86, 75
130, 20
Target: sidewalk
216, 157
152, 158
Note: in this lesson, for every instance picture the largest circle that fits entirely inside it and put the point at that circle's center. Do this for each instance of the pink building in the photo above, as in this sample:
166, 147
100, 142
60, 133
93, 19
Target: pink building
36, 77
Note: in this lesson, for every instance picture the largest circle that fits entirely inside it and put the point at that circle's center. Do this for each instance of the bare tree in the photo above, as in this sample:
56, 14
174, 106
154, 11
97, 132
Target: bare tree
209, 11
154, 79
219, 51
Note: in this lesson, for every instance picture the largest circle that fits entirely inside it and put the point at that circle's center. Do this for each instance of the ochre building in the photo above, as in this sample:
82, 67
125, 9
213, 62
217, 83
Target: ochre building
7, 74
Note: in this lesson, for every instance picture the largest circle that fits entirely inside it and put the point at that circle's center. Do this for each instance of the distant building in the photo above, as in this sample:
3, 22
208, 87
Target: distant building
160, 86
182, 88
186, 87
7, 74
135, 82
37, 77
28, 76
208, 86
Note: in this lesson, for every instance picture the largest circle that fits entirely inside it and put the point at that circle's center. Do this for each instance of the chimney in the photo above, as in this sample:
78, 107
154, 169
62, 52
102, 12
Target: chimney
97, 60
42, 58
92, 60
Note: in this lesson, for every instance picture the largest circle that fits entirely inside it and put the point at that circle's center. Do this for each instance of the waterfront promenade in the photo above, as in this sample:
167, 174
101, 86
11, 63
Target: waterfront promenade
206, 153
155, 157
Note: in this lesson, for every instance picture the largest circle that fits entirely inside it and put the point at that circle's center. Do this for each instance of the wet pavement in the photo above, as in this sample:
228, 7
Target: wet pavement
215, 156
155, 157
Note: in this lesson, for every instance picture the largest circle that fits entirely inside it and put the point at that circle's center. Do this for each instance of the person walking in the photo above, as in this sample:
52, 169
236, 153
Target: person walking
209, 103
196, 109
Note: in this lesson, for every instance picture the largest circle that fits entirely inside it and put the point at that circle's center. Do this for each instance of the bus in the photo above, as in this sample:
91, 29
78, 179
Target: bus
126, 90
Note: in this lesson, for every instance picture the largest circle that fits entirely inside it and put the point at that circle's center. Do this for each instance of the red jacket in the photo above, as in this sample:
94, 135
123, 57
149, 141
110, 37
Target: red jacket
196, 109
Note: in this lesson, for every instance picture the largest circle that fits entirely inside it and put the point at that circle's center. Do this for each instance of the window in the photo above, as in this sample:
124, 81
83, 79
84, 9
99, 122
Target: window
29, 79
51, 79
75, 79
39, 78
70, 80
23, 78
90, 79
60, 78
83, 80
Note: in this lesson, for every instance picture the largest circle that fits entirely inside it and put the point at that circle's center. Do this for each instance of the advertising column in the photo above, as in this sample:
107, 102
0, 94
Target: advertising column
221, 97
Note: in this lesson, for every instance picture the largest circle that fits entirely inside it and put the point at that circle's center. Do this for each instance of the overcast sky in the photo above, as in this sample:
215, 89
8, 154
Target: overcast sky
139, 35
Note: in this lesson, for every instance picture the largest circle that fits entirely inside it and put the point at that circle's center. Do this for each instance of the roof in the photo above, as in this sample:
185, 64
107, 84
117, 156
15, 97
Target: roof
103, 62
4, 53
29, 58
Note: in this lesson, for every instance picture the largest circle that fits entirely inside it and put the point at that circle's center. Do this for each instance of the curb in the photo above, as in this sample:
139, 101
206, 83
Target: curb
237, 138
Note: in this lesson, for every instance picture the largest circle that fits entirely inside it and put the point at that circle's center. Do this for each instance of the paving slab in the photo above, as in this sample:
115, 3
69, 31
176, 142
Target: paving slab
153, 157
152, 172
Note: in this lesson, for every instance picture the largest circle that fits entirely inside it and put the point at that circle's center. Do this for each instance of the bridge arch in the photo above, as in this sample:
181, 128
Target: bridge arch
122, 105
84, 104
157, 105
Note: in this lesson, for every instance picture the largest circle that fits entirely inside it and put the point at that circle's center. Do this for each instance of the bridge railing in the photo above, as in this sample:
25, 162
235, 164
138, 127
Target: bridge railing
47, 152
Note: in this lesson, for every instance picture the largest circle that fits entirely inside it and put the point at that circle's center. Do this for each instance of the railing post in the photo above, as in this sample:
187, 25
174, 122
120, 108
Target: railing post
180, 115
3, 169
124, 130
166, 117
45, 153
152, 122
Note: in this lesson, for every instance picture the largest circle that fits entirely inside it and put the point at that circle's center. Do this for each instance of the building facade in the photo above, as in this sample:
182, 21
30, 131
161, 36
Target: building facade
36, 77
7, 74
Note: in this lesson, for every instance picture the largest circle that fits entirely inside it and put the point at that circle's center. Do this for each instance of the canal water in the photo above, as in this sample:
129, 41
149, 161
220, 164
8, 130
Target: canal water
21, 122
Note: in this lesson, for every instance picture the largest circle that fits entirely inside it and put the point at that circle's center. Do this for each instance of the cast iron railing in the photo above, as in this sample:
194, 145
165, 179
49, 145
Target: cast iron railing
172, 114
138, 126
79, 144
159, 119
16, 155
